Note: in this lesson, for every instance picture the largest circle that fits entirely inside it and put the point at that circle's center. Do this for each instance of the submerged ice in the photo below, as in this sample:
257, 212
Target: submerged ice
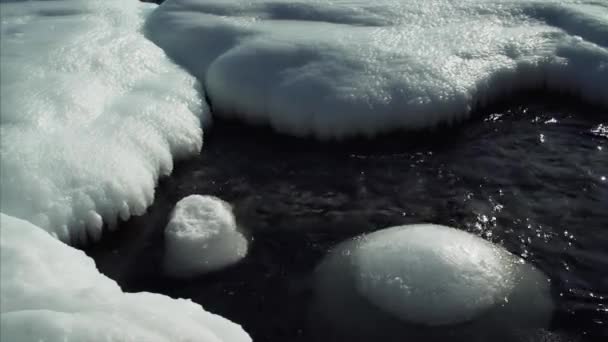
342, 68
92, 113
430, 276
202, 236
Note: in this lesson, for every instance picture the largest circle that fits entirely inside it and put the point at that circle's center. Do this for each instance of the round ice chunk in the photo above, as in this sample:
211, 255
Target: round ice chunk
431, 276
202, 236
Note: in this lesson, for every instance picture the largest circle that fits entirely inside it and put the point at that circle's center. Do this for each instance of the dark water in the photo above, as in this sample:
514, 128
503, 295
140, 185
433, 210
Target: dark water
530, 176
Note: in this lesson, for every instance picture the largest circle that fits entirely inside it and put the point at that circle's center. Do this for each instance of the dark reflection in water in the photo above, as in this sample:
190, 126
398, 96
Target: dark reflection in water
532, 178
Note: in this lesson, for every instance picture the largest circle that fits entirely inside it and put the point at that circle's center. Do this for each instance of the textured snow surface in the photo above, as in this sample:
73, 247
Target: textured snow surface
202, 236
92, 113
52, 292
435, 275
346, 67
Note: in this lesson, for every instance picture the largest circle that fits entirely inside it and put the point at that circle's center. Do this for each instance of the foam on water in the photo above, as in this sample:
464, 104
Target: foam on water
92, 114
342, 68
202, 236
53, 292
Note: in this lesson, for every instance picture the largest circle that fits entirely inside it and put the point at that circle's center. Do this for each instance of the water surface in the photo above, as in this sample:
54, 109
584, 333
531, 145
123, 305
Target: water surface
530, 175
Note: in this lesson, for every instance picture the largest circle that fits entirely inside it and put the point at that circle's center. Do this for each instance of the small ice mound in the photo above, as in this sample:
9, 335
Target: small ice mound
202, 236
434, 278
52, 292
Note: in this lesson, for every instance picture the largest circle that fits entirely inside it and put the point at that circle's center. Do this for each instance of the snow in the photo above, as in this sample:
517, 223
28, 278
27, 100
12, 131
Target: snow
432, 275
202, 236
92, 114
335, 69
52, 292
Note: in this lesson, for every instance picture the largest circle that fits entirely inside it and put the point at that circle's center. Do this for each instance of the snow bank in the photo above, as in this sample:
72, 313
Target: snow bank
202, 236
52, 292
92, 113
342, 68
435, 276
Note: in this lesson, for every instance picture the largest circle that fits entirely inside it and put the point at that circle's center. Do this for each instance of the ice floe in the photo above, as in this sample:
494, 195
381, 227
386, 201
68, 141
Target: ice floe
340, 68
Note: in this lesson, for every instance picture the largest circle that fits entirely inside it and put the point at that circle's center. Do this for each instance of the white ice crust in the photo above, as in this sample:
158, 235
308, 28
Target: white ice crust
52, 292
92, 114
337, 68
202, 236
435, 275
